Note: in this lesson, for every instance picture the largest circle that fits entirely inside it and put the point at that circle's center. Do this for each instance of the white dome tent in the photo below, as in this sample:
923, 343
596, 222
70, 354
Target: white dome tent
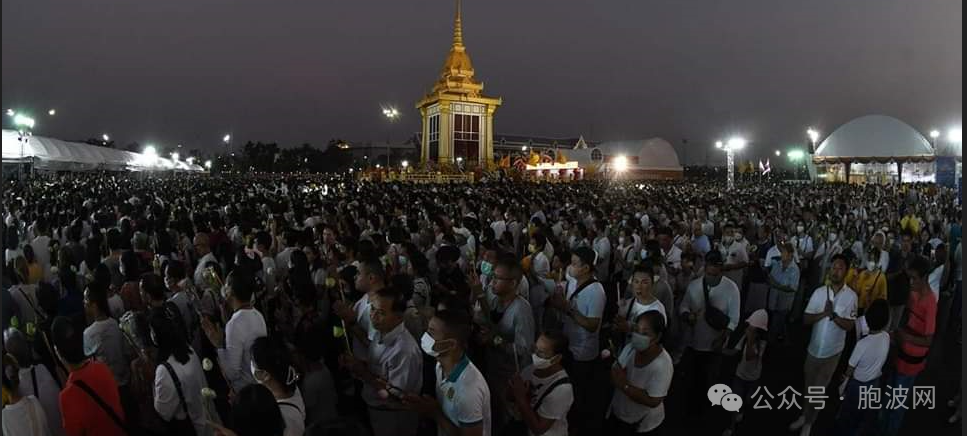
653, 158
875, 148
51, 154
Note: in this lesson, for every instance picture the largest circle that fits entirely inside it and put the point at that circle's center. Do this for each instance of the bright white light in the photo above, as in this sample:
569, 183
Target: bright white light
175, 156
378, 166
52, 112
350, 171
718, 144
737, 143
934, 134
778, 153
208, 164
11, 112
795, 154
405, 164
621, 163
524, 148
227, 138
105, 137
459, 160
391, 112
955, 135
813, 135
190, 160
23, 120
150, 151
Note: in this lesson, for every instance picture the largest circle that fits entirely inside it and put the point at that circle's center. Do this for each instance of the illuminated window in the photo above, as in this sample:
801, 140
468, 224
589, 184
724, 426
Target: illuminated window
434, 137
466, 138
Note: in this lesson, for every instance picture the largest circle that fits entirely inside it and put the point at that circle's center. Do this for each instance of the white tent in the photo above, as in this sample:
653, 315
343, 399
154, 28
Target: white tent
56, 155
653, 158
874, 138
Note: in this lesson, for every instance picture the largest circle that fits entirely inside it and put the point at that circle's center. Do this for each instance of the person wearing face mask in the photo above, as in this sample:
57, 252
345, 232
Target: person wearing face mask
538, 281
581, 305
643, 300
370, 279
827, 249
868, 280
272, 367
234, 344
712, 299
735, 250
641, 376
462, 403
393, 364
542, 392
882, 255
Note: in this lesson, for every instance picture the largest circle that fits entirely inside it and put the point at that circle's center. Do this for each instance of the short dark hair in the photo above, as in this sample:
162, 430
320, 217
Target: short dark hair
511, 265
558, 340
396, 296
243, 285
457, 325
840, 257
153, 285
271, 355
255, 412
645, 268
97, 295
656, 320
176, 269
68, 339
586, 255
920, 265
374, 267
540, 239
878, 314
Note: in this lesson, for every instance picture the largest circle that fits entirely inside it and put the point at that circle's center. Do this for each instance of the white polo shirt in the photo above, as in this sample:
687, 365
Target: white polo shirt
361, 308
590, 304
464, 396
396, 358
655, 378
828, 338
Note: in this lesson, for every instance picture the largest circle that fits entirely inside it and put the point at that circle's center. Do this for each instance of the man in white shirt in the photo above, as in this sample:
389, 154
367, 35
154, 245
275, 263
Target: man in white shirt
832, 312
602, 246
35, 379
204, 251
462, 403
642, 300
498, 225
706, 344
246, 325
543, 392
864, 371
282, 259
370, 278
582, 306
393, 364
41, 246
735, 250
102, 338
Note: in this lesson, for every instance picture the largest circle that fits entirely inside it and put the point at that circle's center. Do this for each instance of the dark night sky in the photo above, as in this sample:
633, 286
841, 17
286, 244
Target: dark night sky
310, 70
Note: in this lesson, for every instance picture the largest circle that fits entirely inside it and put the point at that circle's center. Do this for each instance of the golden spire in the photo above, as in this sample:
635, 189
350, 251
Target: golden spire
457, 29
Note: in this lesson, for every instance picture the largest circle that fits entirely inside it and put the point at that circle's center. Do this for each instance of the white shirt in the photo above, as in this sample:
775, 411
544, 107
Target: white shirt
516, 327
673, 257
499, 228
654, 378
724, 297
934, 279
637, 309
293, 413
241, 331
737, 252
48, 396
555, 405
750, 370
828, 338
464, 396
102, 339
869, 356
192, 379
361, 308
396, 358
41, 248
282, 261
590, 304
25, 418
269, 272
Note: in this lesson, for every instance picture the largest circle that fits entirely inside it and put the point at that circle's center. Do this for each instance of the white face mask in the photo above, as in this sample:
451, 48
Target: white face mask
254, 370
621, 240
541, 363
800, 229
639, 341
426, 343
870, 265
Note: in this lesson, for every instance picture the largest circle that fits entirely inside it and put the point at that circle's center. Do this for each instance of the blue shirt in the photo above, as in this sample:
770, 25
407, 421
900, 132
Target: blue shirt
701, 245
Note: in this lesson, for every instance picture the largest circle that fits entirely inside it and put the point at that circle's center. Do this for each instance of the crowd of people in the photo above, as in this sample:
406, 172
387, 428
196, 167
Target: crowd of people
290, 305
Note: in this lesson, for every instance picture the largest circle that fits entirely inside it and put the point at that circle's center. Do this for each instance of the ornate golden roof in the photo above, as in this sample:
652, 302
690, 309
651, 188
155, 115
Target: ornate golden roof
456, 77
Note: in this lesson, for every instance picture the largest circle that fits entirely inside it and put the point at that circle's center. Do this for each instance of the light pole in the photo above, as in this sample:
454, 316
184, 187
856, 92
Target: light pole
734, 144
813, 135
392, 115
795, 156
24, 126
934, 135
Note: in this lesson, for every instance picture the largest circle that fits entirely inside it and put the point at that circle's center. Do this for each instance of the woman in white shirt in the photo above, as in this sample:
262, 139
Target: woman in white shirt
272, 368
865, 367
641, 376
178, 379
22, 416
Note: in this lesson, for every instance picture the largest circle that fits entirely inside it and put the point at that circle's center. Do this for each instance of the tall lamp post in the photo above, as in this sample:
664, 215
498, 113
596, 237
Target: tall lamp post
730, 147
24, 126
227, 140
392, 115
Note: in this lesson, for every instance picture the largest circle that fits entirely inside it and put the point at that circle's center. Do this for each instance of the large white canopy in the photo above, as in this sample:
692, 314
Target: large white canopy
54, 154
651, 154
875, 137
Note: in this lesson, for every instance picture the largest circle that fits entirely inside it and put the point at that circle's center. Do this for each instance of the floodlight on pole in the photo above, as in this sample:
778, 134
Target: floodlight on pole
21, 120
11, 112
718, 144
175, 156
934, 134
955, 135
778, 153
208, 164
524, 148
730, 147
105, 137
405, 164
227, 138
52, 112
621, 163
